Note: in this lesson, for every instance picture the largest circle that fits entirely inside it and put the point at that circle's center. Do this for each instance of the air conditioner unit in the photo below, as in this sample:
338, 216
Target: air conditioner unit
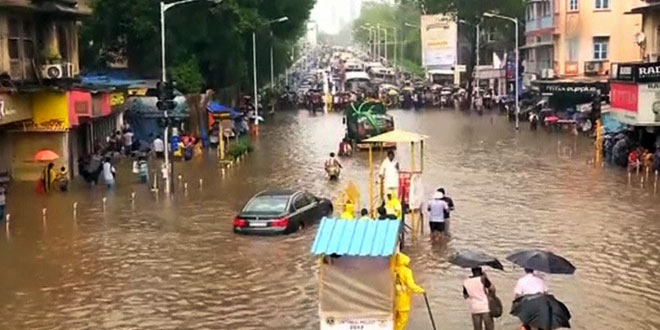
57, 71
547, 74
52, 71
592, 68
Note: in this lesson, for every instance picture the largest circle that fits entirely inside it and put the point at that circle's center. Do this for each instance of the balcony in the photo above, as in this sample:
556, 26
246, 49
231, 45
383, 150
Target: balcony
540, 23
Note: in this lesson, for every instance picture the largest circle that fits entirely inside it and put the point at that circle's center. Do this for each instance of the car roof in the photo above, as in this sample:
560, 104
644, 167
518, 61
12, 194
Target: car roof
278, 192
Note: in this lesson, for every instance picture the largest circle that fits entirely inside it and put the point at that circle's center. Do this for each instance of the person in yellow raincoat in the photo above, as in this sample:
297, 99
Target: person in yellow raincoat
349, 211
393, 206
405, 286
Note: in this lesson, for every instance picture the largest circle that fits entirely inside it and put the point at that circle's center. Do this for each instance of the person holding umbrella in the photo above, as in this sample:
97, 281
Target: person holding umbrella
475, 291
535, 308
478, 290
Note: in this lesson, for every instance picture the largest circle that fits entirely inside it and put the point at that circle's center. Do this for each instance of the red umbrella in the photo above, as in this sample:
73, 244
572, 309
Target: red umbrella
45, 156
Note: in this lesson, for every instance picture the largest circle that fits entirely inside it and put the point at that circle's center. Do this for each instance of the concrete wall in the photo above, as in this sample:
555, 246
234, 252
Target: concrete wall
650, 26
581, 26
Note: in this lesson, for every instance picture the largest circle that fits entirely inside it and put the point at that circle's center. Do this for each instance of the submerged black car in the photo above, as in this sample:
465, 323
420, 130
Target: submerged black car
281, 212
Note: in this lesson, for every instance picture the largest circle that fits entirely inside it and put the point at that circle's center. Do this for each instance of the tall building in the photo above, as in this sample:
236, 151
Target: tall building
576, 38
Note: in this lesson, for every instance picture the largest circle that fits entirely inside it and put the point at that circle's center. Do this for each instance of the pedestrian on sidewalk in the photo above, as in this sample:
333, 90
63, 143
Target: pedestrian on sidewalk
450, 205
143, 170
437, 208
159, 147
63, 179
3, 202
48, 177
128, 142
109, 173
475, 291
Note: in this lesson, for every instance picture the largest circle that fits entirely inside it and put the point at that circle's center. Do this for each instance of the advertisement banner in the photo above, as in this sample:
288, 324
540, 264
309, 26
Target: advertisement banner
649, 105
624, 97
439, 41
331, 323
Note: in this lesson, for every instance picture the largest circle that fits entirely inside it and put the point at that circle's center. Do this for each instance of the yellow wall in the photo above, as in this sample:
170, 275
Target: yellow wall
587, 23
47, 106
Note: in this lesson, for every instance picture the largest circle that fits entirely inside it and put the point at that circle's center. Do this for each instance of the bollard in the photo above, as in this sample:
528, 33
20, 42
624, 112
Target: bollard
75, 209
223, 173
155, 186
629, 177
641, 182
133, 197
180, 178
185, 186
7, 220
104, 202
43, 212
201, 183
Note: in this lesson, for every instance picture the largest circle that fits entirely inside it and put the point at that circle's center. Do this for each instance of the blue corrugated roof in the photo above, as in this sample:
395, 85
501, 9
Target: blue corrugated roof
364, 238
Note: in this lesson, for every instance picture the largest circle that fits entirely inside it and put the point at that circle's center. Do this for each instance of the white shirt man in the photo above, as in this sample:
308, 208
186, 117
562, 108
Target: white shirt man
389, 173
530, 284
159, 145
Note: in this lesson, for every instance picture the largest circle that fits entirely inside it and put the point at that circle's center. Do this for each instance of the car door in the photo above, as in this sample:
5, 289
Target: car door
301, 207
315, 211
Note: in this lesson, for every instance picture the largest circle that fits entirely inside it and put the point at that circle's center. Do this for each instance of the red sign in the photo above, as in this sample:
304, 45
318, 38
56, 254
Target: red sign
624, 97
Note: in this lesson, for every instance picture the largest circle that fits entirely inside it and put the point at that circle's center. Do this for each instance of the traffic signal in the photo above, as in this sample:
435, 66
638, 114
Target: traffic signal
166, 96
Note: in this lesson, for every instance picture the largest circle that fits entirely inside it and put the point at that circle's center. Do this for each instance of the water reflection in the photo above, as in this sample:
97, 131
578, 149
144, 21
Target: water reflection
175, 264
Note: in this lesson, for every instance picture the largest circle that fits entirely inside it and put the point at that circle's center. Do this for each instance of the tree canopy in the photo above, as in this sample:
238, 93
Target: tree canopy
213, 39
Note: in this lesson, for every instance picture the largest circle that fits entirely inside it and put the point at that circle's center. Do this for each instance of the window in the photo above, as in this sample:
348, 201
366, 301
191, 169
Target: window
573, 5
14, 39
300, 202
602, 4
600, 47
545, 9
573, 50
530, 12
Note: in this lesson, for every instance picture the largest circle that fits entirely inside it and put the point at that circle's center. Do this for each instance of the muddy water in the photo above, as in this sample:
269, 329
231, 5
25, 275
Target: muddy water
175, 264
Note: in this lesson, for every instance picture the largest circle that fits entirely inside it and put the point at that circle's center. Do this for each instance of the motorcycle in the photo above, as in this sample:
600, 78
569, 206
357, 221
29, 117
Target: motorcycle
333, 172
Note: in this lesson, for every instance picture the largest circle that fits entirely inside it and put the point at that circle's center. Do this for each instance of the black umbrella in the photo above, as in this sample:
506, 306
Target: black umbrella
542, 311
542, 261
472, 259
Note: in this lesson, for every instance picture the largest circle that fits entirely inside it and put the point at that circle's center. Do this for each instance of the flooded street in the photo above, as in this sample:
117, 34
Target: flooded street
175, 264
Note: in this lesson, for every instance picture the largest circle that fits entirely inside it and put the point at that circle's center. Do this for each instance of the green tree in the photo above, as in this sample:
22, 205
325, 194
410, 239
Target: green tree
218, 37
186, 74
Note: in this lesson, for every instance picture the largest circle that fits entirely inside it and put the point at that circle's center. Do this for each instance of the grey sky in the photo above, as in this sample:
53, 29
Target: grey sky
331, 15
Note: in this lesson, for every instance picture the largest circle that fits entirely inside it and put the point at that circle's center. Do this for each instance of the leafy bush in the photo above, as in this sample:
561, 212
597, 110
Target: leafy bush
238, 148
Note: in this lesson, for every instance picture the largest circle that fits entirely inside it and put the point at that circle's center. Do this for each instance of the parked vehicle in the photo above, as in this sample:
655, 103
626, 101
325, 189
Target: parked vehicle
281, 212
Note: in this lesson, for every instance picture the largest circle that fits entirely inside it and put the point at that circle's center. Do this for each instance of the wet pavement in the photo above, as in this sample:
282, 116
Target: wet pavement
175, 264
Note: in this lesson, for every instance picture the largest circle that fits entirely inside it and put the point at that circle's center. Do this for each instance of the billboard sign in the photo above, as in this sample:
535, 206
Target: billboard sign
439, 41
636, 104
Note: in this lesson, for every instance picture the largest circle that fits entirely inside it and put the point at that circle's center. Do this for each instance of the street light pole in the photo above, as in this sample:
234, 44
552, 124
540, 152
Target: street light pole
517, 52
163, 8
254, 67
385, 43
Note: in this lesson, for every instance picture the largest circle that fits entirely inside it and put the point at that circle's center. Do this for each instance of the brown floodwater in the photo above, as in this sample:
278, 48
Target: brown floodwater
175, 264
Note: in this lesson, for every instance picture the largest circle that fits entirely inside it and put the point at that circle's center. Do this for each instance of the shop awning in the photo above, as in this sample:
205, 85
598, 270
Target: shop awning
363, 238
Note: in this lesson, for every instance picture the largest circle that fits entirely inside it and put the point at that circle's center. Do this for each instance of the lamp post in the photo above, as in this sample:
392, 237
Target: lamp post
408, 25
163, 8
515, 21
254, 66
477, 26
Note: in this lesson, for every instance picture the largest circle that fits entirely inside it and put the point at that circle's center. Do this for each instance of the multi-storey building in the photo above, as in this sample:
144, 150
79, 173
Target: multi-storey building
577, 38
42, 103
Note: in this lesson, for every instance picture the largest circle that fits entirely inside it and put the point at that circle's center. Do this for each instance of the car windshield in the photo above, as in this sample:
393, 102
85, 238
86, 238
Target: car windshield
267, 205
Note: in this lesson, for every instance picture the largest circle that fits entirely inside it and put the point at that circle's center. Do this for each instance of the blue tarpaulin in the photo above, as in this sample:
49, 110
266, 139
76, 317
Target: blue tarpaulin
217, 108
364, 238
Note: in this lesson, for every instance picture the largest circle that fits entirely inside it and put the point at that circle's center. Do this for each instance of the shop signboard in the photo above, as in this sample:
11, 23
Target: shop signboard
339, 323
638, 72
439, 41
14, 108
636, 104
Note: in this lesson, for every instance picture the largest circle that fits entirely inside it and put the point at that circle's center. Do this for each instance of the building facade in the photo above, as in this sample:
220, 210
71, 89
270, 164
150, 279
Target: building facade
578, 38
43, 105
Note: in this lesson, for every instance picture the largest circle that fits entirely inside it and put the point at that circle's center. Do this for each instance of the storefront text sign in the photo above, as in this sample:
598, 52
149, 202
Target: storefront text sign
13, 108
624, 96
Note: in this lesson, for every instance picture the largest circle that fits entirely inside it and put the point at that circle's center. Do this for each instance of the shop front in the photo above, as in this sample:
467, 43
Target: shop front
14, 108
